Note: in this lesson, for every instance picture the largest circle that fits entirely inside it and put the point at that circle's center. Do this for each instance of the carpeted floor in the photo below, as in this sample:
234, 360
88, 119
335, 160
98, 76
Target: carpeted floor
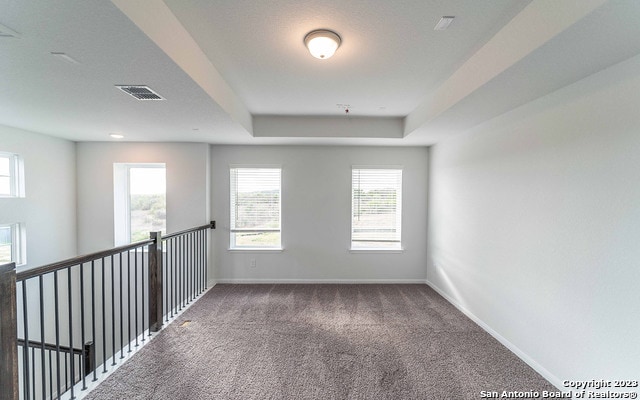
320, 342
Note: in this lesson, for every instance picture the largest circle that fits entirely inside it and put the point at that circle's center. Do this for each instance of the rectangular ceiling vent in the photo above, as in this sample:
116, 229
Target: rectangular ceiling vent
140, 92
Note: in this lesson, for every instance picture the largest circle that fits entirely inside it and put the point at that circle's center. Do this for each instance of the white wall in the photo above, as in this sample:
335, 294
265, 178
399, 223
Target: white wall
49, 208
316, 216
534, 227
187, 167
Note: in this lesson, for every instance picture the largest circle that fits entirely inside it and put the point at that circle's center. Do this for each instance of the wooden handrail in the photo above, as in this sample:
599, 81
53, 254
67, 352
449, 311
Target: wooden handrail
86, 351
50, 346
210, 225
30, 273
45, 269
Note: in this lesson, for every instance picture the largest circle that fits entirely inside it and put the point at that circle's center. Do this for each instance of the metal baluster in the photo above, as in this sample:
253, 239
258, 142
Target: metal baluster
129, 299
33, 370
83, 367
182, 286
187, 269
198, 263
113, 313
167, 282
174, 288
194, 263
25, 348
190, 255
200, 271
142, 274
203, 257
42, 353
135, 267
50, 375
57, 316
121, 320
73, 375
178, 269
196, 259
179, 274
196, 241
93, 319
206, 258
165, 279
104, 321
66, 372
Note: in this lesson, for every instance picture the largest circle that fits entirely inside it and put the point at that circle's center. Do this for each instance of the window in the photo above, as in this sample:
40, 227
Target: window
255, 208
12, 247
11, 175
140, 201
376, 208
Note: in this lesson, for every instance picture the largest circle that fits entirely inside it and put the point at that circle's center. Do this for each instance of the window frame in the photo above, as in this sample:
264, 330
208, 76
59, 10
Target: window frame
399, 200
16, 175
232, 231
18, 243
122, 198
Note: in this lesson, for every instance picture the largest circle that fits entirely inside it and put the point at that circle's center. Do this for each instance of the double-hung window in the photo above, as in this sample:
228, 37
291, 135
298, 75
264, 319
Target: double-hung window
12, 248
376, 208
255, 207
11, 175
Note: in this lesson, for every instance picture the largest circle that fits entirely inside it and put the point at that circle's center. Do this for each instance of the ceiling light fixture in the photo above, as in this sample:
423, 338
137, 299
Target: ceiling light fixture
322, 43
116, 136
443, 23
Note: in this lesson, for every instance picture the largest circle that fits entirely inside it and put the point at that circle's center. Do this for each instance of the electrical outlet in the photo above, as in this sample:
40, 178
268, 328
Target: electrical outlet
253, 263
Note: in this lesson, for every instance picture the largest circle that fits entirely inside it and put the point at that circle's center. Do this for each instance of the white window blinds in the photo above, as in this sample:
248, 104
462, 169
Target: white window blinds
255, 207
376, 208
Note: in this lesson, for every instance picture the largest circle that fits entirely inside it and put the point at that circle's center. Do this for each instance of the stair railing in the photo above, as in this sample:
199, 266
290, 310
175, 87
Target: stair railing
64, 323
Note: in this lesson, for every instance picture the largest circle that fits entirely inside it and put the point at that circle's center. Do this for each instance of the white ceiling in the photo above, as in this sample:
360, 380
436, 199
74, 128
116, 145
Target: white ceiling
390, 54
238, 72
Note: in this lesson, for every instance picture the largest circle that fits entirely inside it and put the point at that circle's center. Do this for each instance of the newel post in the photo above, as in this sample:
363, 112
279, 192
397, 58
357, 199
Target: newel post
8, 333
155, 282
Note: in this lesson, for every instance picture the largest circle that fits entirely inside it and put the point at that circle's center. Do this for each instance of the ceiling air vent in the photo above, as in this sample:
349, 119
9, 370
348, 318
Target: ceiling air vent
140, 92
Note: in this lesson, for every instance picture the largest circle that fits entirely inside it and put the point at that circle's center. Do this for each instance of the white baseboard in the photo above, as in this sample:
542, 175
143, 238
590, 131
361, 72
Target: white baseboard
318, 281
554, 380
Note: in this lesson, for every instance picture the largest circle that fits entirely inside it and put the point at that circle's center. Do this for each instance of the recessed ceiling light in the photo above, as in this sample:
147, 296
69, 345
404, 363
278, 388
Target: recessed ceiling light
116, 135
322, 43
443, 23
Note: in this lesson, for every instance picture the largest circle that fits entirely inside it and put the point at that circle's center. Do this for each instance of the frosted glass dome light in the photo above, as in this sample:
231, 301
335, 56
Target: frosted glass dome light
322, 43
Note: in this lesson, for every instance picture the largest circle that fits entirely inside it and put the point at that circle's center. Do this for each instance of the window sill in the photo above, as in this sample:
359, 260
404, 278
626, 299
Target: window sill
390, 251
256, 250
21, 267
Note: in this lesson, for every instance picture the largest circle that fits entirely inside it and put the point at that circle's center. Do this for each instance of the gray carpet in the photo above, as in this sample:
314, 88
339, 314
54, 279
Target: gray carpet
320, 342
